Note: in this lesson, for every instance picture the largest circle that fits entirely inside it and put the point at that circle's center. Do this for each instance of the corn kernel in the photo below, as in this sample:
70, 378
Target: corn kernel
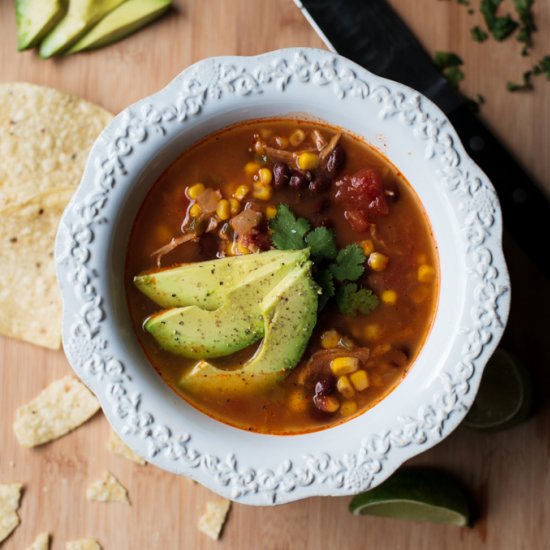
426, 273
195, 190
297, 401
297, 137
234, 206
223, 210
266, 133
259, 147
241, 249
344, 365
360, 380
372, 332
343, 385
330, 339
330, 404
251, 168
378, 261
266, 176
229, 250
380, 349
195, 210
389, 296
422, 258
262, 192
308, 161
419, 294
368, 247
346, 343
241, 192
281, 142
270, 212
348, 408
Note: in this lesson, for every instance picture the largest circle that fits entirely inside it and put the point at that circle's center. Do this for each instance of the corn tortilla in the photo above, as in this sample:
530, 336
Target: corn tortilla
117, 446
212, 521
61, 407
107, 489
42, 542
10, 496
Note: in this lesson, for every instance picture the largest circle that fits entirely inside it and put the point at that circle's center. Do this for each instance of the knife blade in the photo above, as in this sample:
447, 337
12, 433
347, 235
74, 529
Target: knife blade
370, 33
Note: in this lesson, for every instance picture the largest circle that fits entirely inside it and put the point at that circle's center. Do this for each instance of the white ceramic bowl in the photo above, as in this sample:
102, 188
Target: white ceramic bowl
465, 216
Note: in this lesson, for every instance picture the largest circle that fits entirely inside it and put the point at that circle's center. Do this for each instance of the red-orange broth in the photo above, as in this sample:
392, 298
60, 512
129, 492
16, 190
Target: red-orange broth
407, 286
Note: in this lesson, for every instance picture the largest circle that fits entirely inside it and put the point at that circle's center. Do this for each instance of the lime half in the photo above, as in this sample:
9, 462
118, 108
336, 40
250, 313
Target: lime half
420, 494
505, 394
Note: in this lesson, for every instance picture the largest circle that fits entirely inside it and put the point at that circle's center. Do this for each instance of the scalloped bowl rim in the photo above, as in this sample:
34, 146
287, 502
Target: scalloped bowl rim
460, 203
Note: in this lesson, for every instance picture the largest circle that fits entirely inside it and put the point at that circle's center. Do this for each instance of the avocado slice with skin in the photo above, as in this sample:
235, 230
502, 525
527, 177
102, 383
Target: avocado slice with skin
206, 284
35, 19
198, 333
121, 22
80, 17
289, 316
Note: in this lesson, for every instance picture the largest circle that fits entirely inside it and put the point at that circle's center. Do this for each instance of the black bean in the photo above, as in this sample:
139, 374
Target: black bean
298, 180
336, 160
320, 184
325, 385
281, 175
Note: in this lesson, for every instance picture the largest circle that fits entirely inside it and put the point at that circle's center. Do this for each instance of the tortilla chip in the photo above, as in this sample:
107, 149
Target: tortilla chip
212, 521
10, 496
42, 542
83, 544
45, 138
117, 446
108, 489
30, 306
61, 407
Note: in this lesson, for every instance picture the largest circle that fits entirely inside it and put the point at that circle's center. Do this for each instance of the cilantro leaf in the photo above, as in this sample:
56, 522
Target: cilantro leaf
454, 75
478, 34
499, 26
326, 282
322, 243
444, 60
350, 263
526, 85
288, 231
354, 301
524, 9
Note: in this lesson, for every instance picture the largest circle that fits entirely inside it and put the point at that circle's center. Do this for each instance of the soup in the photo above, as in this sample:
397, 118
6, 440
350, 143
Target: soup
281, 276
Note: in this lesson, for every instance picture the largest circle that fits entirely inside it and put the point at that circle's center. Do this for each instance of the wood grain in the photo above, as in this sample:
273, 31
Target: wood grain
508, 473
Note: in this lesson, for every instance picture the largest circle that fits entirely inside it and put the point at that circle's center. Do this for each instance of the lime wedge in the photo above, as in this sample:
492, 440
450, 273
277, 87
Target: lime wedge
505, 394
419, 494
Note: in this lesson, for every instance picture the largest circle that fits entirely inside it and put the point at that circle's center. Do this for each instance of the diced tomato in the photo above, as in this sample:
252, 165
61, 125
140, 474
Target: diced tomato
362, 194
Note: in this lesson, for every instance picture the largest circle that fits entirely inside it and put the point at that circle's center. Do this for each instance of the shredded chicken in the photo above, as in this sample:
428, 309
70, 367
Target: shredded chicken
329, 147
174, 243
279, 154
319, 140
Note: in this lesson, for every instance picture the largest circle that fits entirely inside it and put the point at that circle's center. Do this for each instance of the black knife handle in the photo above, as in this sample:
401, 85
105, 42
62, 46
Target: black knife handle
525, 208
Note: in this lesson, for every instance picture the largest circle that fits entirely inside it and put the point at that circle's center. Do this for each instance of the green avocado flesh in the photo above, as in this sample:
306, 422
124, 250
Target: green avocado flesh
122, 21
35, 18
289, 314
206, 284
200, 333
80, 17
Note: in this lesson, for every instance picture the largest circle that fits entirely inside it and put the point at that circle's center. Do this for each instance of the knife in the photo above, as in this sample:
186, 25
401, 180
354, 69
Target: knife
370, 33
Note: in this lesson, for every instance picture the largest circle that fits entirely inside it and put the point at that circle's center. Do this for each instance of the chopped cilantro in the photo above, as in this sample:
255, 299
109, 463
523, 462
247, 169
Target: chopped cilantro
478, 34
326, 282
288, 231
350, 263
524, 9
351, 300
543, 67
449, 63
322, 243
444, 60
526, 85
500, 26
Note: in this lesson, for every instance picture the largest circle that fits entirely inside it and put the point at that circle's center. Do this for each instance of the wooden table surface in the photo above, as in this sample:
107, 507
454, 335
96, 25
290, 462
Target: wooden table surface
508, 473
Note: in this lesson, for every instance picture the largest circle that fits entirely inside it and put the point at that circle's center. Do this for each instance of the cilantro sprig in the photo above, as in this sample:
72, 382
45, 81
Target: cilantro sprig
332, 266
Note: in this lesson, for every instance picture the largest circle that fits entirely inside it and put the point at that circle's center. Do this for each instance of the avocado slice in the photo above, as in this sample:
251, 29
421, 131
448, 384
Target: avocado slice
81, 16
206, 284
35, 18
289, 316
122, 21
197, 333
